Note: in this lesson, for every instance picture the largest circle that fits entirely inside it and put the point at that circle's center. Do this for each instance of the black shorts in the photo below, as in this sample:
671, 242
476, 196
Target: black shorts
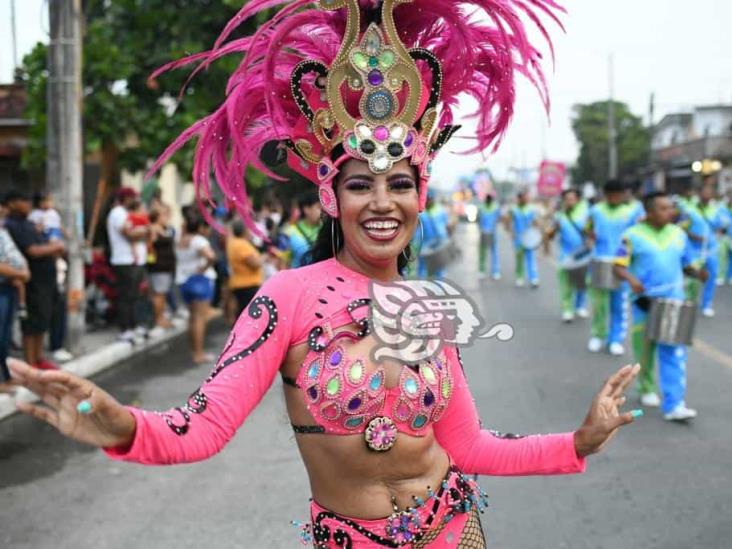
243, 297
40, 301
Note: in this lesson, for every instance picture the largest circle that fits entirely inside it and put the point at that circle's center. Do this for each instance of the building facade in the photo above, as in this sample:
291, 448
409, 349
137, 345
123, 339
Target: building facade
691, 146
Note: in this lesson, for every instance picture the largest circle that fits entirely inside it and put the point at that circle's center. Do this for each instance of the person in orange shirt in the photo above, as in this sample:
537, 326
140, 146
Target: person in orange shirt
245, 265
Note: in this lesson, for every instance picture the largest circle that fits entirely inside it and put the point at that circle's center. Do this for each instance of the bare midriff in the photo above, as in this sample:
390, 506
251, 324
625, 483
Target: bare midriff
348, 478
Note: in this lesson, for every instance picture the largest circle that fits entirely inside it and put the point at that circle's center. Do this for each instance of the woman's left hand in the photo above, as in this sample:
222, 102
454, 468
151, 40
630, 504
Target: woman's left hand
604, 418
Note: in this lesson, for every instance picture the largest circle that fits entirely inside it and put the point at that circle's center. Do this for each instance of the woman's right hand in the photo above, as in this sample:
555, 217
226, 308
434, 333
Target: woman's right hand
108, 425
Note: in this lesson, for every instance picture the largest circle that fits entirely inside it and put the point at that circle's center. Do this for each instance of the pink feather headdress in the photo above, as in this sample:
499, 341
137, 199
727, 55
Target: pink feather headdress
377, 80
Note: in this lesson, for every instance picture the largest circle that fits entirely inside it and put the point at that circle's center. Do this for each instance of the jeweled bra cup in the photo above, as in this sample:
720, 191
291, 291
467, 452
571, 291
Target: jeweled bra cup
346, 396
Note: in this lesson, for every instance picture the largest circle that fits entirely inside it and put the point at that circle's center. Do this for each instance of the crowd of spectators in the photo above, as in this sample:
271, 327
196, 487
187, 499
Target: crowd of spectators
149, 272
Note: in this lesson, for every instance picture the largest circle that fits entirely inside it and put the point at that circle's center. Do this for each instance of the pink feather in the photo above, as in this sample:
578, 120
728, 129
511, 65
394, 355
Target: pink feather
483, 45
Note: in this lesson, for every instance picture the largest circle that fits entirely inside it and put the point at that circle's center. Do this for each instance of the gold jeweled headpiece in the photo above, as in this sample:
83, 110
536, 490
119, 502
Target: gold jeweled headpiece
397, 110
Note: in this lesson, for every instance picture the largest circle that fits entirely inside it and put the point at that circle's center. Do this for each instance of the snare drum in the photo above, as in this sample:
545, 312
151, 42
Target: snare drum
438, 257
602, 275
671, 321
531, 238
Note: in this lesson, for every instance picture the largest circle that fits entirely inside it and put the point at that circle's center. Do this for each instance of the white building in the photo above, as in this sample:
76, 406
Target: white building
687, 146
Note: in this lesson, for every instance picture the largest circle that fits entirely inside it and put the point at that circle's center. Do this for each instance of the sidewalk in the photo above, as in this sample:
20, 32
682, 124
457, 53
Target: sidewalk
100, 350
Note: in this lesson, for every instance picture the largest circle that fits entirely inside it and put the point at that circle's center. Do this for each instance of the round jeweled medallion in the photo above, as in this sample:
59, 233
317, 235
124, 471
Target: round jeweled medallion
380, 434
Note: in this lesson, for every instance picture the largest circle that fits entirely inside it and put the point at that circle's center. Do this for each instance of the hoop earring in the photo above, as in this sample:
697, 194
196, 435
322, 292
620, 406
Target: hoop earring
334, 237
421, 234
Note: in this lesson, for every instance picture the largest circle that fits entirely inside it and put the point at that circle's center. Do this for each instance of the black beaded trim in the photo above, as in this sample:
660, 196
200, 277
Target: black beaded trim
308, 429
443, 137
291, 146
200, 402
255, 311
510, 436
313, 336
364, 322
301, 69
434, 64
322, 533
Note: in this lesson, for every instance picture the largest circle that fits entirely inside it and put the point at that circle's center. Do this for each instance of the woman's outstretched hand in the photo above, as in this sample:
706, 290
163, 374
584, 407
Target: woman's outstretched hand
604, 418
107, 424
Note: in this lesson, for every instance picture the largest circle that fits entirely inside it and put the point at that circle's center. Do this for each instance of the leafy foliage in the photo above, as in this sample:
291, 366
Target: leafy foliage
590, 126
124, 41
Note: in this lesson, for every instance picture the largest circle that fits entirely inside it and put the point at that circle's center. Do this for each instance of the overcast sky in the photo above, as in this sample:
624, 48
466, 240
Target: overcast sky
678, 49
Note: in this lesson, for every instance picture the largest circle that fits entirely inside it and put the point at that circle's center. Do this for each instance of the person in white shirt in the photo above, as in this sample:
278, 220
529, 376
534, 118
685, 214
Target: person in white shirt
128, 253
195, 277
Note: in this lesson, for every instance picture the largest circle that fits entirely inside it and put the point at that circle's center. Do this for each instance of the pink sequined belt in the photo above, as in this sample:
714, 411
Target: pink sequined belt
440, 516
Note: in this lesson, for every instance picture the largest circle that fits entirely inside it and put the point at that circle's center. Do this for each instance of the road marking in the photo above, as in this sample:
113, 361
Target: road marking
710, 351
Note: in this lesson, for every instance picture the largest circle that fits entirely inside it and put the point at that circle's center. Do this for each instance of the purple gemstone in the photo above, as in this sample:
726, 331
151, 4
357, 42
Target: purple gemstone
335, 359
323, 170
313, 392
354, 404
376, 78
409, 140
429, 398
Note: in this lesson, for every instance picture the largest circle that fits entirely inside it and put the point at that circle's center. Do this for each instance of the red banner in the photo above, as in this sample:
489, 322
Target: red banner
551, 178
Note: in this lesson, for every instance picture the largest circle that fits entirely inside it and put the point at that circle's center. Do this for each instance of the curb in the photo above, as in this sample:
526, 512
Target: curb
92, 363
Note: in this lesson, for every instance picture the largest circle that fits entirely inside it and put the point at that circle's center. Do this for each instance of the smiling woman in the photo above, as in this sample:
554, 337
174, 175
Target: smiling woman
378, 216
390, 447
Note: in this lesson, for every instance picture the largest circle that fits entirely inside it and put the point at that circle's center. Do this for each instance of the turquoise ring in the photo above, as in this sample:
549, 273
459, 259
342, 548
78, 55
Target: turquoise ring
84, 407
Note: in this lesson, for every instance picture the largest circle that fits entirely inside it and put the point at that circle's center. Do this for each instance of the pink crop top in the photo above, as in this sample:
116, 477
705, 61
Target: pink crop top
342, 391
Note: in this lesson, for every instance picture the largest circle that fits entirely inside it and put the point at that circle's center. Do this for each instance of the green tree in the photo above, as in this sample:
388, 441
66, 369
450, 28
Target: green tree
590, 126
125, 119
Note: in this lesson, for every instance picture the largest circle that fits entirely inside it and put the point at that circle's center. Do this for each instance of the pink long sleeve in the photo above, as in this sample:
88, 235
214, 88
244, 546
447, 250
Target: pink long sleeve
245, 371
485, 452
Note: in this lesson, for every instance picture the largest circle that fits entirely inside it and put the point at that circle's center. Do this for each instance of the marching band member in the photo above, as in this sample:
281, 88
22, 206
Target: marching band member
608, 220
489, 215
521, 217
714, 217
569, 225
653, 258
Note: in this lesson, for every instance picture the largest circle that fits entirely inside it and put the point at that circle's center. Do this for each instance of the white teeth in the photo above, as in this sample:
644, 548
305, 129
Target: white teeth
381, 225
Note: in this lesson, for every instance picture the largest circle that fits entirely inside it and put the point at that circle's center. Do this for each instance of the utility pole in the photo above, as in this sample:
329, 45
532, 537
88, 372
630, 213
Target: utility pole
65, 152
14, 33
611, 130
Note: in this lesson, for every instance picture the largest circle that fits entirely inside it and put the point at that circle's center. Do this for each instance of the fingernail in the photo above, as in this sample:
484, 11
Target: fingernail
637, 413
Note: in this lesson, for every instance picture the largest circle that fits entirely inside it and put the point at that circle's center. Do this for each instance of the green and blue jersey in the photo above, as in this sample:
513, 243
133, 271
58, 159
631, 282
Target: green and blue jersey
656, 258
608, 223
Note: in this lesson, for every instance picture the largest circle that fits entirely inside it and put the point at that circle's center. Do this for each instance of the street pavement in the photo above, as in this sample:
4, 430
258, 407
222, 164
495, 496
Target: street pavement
657, 485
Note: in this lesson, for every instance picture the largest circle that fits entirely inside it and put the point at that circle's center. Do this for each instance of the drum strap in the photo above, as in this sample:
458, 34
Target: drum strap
307, 238
580, 231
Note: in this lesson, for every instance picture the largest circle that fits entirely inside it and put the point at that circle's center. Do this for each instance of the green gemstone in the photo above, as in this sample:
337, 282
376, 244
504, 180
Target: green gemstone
353, 141
360, 60
446, 388
386, 59
373, 62
419, 421
429, 374
355, 373
333, 386
354, 421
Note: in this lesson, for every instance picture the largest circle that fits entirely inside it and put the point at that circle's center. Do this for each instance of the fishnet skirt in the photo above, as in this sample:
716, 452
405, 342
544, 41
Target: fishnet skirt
471, 536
